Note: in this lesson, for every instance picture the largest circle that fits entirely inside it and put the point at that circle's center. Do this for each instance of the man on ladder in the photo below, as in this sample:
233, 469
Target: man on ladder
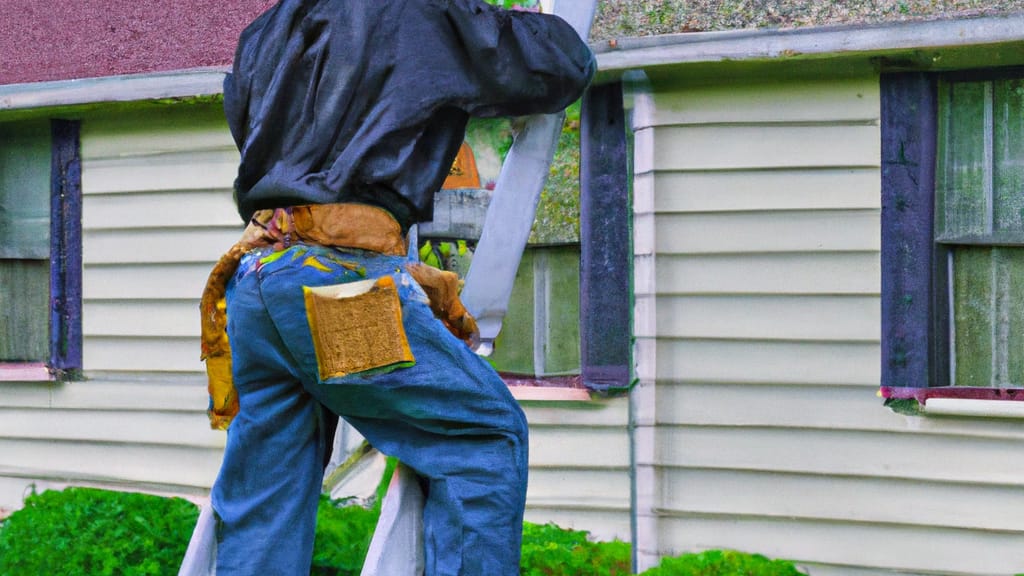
348, 114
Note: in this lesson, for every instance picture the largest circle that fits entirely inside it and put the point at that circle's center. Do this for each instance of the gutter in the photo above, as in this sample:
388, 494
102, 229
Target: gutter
617, 56
128, 88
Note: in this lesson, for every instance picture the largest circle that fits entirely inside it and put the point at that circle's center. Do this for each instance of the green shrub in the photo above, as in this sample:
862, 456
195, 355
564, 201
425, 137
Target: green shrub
84, 531
343, 533
552, 551
89, 532
723, 563
343, 536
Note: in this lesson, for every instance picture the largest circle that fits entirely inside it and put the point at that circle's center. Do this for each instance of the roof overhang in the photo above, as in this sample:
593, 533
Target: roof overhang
929, 45
935, 45
205, 82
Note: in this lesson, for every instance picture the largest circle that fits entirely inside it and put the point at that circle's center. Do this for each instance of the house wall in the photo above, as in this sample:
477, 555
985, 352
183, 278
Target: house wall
157, 213
757, 317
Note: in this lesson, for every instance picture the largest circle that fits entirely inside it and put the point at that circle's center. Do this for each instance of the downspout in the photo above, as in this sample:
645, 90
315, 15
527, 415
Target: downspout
643, 396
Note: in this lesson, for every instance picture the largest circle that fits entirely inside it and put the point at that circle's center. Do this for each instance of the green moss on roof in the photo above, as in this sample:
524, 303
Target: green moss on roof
558, 211
622, 18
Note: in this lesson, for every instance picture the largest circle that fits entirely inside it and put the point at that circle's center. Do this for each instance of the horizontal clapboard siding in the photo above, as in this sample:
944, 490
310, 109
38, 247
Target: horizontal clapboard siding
786, 231
198, 208
145, 282
157, 213
758, 361
757, 237
146, 430
842, 452
877, 547
747, 190
743, 147
775, 274
139, 431
726, 492
812, 317
797, 101
193, 170
579, 466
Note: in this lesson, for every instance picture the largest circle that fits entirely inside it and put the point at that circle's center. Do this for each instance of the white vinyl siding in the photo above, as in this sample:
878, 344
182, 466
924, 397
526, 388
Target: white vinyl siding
579, 466
157, 213
124, 432
757, 322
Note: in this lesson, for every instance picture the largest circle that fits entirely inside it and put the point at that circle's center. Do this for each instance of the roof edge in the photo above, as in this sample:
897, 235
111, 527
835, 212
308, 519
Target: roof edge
126, 88
614, 57
623, 54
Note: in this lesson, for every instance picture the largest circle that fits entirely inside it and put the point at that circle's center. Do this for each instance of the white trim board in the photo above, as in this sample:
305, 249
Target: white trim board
129, 88
972, 407
624, 54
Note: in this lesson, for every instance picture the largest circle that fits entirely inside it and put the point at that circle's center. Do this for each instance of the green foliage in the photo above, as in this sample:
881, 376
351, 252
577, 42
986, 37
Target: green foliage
343, 533
558, 211
84, 531
619, 18
552, 551
515, 3
343, 536
723, 563
905, 406
96, 532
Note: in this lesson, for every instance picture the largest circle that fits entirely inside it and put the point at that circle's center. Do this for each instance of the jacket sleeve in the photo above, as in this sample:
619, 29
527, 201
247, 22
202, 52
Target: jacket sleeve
519, 62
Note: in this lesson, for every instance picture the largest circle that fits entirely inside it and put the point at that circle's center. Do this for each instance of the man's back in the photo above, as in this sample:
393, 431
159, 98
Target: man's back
350, 100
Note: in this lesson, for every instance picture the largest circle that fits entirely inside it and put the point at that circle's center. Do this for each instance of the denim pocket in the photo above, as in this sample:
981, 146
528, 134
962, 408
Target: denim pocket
357, 328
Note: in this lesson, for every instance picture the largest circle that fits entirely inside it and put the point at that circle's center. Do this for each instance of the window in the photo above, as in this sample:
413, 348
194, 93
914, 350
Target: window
570, 306
980, 223
40, 250
953, 233
24, 241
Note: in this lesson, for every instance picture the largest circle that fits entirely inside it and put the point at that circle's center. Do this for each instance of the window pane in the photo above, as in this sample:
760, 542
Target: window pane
988, 316
24, 310
25, 190
964, 176
1008, 157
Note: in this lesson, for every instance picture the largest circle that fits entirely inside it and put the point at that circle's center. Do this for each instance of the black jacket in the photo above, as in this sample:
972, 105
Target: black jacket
367, 100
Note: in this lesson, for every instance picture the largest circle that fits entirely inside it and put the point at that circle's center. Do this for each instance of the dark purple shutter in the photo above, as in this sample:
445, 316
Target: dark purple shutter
605, 298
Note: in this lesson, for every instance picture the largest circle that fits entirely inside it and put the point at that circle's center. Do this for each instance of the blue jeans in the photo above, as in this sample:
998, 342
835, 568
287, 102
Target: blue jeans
449, 417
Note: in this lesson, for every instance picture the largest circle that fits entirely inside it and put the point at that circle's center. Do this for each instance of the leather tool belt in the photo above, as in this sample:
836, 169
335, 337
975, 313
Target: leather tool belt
342, 225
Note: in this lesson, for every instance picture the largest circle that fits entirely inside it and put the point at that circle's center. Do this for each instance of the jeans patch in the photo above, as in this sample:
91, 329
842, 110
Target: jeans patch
357, 328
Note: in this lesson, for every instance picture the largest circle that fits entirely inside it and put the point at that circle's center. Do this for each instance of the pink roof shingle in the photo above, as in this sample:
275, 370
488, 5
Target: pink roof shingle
43, 40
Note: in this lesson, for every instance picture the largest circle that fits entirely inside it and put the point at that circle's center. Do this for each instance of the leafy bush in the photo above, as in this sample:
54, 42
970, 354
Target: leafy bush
343, 536
552, 551
723, 563
96, 532
85, 531
343, 532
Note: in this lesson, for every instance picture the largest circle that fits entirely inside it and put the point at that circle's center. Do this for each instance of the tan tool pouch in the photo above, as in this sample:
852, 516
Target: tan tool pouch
357, 328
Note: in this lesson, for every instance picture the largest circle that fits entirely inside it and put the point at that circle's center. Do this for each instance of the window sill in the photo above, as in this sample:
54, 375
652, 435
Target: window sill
25, 372
542, 394
957, 401
978, 408
546, 388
